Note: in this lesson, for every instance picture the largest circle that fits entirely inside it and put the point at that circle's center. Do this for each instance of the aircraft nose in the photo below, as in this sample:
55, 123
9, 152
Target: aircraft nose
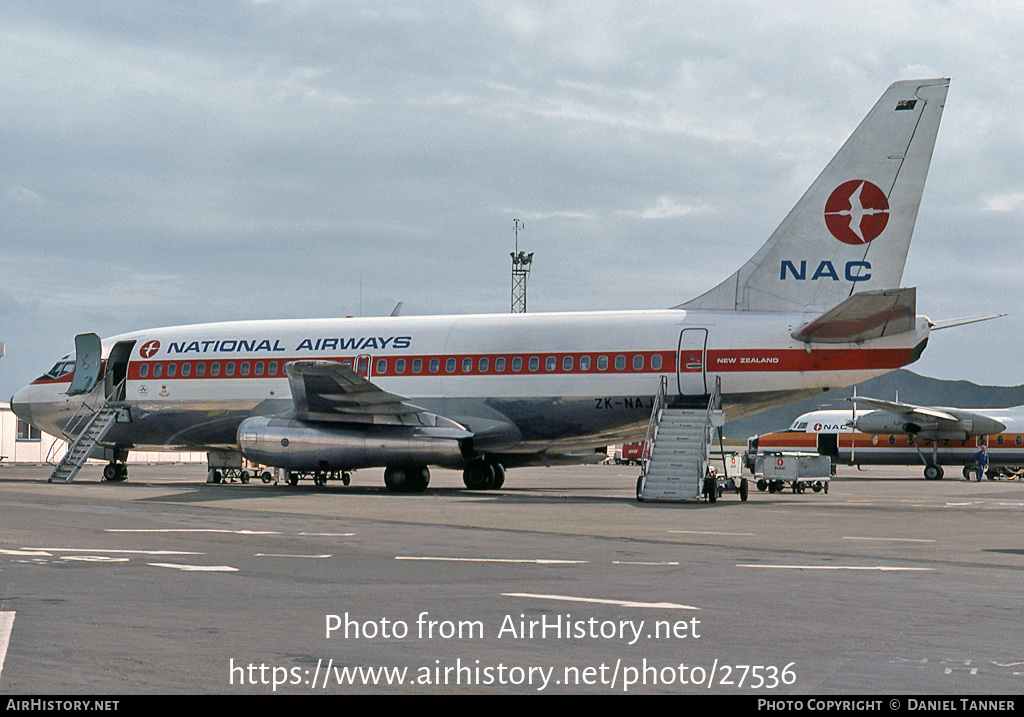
21, 405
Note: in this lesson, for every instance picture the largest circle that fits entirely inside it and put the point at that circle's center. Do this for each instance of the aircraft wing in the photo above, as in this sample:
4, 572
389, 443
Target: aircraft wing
330, 391
927, 421
906, 410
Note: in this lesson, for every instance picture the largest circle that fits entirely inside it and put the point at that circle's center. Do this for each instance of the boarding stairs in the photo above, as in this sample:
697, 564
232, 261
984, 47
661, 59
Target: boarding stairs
91, 429
678, 446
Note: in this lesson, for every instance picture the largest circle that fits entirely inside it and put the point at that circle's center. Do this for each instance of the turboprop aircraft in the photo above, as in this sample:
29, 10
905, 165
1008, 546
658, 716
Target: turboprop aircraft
900, 434
816, 308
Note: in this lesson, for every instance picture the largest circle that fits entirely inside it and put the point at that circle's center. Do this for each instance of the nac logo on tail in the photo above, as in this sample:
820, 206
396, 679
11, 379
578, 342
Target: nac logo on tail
856, 213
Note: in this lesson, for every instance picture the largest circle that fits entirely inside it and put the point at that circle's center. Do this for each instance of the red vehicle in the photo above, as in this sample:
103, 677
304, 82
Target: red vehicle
633, 453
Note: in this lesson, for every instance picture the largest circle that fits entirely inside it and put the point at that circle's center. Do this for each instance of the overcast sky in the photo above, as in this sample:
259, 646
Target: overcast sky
180, 162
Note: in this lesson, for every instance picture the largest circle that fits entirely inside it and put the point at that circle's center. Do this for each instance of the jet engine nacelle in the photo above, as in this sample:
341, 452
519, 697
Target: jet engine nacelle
302, 446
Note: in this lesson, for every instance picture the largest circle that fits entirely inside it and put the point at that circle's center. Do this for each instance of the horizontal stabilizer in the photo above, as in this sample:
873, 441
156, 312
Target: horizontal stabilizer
864, 316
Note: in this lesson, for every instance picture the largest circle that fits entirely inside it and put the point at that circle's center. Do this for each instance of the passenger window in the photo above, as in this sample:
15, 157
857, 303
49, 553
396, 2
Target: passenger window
620, 362
483, 364
144, 370
656, 362
602, 363
382, 366
417, 365
272, 368
517, 364
435, 365
158, 370
499, 364
534, 363
215, 368
186, 369
172, 370
244, 368
638, 362
467, 365
400, 366
200, 369
229, 368
567, 363
259, 368
449, 365
551, 363
584, 363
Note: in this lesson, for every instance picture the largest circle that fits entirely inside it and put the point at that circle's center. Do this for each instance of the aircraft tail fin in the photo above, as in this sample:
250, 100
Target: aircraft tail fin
850, 232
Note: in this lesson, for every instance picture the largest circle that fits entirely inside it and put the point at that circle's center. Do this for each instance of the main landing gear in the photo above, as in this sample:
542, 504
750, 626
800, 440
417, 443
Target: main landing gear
406, 479
483, 474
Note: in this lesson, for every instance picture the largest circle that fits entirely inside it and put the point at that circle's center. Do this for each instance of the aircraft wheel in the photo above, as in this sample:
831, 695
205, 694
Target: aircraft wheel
421, 479
744, 489
933, 472
499, 476
406, 479
478, 475
266, 477
396, 479
640, 489
115, 472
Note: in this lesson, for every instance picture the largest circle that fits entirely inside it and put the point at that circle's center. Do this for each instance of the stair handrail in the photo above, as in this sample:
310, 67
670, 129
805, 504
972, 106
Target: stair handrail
714, 402
652, 425
79, 420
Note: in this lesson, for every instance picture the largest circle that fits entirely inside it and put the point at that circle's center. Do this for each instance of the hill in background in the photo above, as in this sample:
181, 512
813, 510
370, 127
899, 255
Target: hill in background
911, 388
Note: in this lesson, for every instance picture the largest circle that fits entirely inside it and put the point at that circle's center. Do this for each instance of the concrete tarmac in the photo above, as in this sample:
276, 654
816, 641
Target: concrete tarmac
559, 583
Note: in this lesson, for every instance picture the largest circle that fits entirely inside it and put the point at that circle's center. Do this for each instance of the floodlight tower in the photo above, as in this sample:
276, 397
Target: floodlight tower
521, 263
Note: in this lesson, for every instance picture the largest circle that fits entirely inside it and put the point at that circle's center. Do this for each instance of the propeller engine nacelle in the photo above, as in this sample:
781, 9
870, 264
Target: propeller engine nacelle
303, 446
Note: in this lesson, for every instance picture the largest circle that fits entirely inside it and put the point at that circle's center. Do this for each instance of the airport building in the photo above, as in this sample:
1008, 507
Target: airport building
23, 443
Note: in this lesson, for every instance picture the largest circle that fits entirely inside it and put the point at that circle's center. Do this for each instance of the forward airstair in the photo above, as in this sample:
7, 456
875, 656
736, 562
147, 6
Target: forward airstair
90, 429
678, 444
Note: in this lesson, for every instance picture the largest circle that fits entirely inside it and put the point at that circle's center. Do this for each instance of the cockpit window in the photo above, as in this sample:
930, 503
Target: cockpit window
61, 368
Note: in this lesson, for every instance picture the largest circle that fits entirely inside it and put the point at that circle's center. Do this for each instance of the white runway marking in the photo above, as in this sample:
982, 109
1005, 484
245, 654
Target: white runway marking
710, 532
644, 562
6, 625
282, 555
197, 568
192, 530
535, 561
329, 535
882, 568
600, 601
897, 540
113, 550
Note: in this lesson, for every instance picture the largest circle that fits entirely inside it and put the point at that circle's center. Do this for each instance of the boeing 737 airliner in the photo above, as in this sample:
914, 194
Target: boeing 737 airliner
816, 308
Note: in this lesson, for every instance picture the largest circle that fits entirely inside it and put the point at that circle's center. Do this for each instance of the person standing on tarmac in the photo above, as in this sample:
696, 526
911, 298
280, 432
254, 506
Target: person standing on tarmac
981, 462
